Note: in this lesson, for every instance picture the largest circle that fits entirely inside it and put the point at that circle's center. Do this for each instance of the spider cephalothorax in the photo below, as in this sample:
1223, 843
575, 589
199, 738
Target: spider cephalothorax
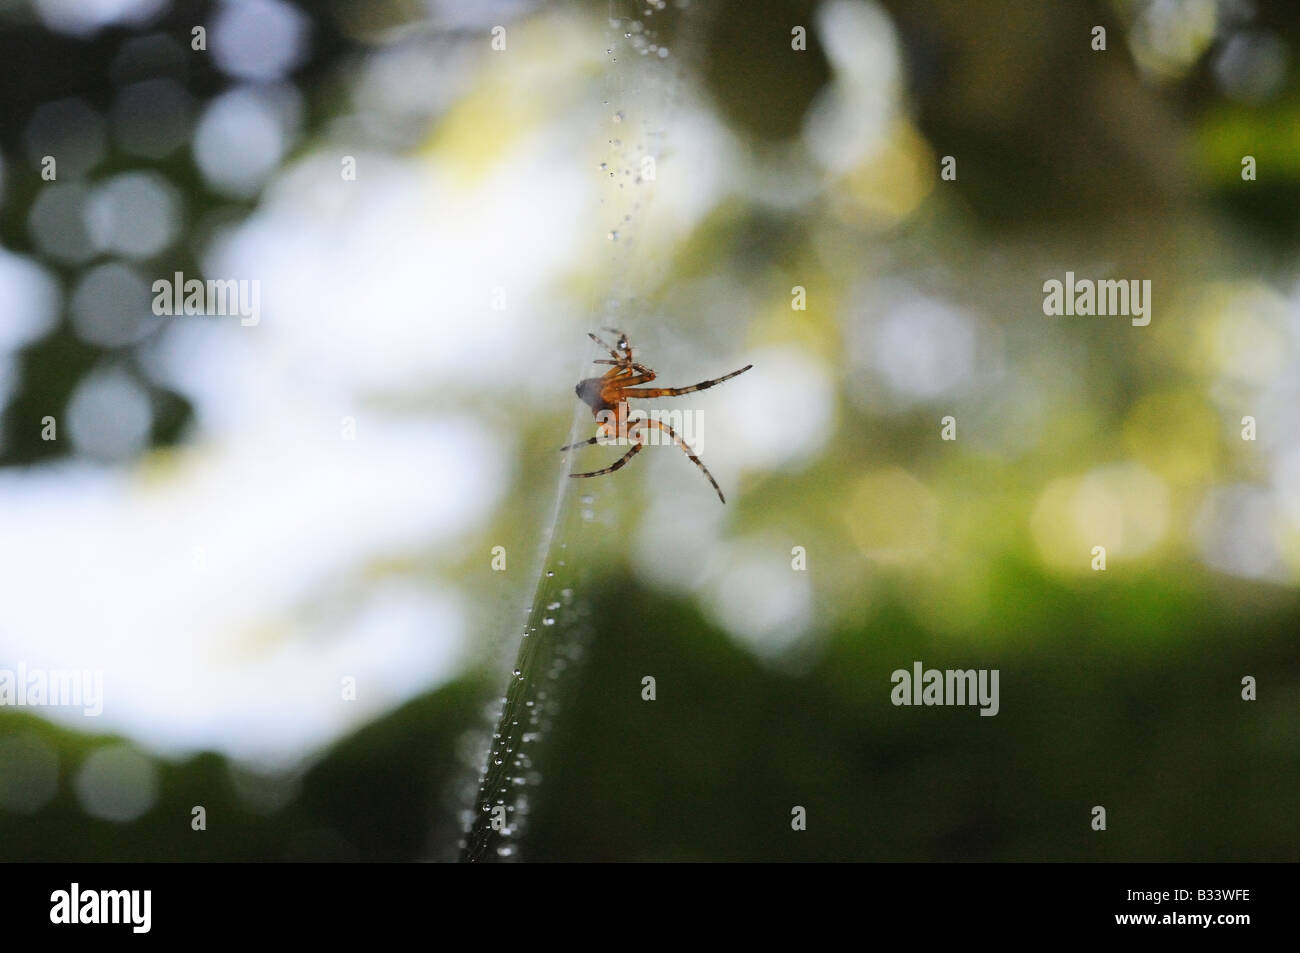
607, 396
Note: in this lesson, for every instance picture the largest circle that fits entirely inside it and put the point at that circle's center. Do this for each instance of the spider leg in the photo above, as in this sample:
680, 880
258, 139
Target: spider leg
676, 391
634, 365
581, 443
621, 351
618, 358
624, 383
622, 343
618, 464
685, 447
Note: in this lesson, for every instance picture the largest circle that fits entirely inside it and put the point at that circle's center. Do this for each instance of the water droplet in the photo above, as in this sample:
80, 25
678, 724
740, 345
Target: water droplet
613, 237
548, 622
549, 574
552, 605
618, 116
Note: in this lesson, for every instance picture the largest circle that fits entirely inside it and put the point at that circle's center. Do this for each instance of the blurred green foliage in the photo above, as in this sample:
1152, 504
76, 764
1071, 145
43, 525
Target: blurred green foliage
1139, 712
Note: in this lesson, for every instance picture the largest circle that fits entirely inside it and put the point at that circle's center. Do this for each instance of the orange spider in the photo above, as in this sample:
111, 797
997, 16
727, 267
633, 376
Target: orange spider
607, 397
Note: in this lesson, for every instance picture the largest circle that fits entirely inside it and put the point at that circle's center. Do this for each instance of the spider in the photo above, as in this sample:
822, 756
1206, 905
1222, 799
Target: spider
607, 397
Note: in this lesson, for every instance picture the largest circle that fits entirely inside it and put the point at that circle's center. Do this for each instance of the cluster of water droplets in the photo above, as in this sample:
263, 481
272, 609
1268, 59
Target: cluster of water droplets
552, 640
624, 167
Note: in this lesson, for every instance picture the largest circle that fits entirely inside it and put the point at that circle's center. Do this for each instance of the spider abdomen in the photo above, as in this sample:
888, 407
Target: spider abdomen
590, 393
